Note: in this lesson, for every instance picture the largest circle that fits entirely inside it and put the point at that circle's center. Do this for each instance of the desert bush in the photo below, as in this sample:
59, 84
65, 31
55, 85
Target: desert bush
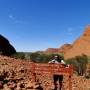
19, 55
41, 57
79, 63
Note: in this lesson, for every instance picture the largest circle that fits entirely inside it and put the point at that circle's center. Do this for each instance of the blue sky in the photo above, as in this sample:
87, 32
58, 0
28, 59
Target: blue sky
32, 25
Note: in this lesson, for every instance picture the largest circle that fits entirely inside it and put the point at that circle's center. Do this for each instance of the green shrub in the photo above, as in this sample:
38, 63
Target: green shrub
79, 63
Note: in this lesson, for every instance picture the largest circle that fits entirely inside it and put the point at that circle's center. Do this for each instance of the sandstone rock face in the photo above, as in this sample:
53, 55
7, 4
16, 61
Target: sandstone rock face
5, 47
64, 48
80, 46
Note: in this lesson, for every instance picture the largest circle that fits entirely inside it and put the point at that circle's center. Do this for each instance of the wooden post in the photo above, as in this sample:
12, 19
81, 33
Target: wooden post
70, 77
70, 83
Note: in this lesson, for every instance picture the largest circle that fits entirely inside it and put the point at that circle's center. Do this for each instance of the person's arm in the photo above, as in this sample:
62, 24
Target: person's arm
63, 62
51, 61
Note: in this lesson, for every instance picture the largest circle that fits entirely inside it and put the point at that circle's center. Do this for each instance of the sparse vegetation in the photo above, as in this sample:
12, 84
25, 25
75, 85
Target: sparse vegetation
35, 57
79, 63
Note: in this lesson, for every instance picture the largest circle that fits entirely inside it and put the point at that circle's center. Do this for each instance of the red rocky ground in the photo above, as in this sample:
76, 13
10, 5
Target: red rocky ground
16, 75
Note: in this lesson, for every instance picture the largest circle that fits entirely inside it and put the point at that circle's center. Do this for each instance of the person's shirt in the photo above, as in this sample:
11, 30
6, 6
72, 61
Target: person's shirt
53, 61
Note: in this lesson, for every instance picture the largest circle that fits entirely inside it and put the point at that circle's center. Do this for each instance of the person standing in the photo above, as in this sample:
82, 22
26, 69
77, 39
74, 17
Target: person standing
58, 60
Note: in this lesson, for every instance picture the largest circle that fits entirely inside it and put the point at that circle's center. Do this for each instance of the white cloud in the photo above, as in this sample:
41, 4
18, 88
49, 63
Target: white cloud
11, 17
14, 19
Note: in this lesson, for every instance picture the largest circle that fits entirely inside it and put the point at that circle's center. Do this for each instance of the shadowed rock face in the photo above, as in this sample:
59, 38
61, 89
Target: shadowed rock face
5, 47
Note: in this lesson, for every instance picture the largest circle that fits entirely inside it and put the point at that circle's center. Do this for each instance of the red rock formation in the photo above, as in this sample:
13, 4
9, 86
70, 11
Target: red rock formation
80, 46
64, 48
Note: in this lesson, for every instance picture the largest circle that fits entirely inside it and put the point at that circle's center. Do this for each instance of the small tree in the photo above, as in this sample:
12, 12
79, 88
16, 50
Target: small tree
82, 61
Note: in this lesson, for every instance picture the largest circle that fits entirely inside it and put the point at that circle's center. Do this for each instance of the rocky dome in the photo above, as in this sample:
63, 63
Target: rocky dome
80, 46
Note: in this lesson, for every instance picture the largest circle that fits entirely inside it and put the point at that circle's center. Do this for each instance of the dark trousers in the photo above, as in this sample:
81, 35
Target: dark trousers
56, 78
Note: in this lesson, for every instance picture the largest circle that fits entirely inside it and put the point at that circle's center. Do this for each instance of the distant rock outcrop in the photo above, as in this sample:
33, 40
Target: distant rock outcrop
52, 50
5, 47
62, 49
